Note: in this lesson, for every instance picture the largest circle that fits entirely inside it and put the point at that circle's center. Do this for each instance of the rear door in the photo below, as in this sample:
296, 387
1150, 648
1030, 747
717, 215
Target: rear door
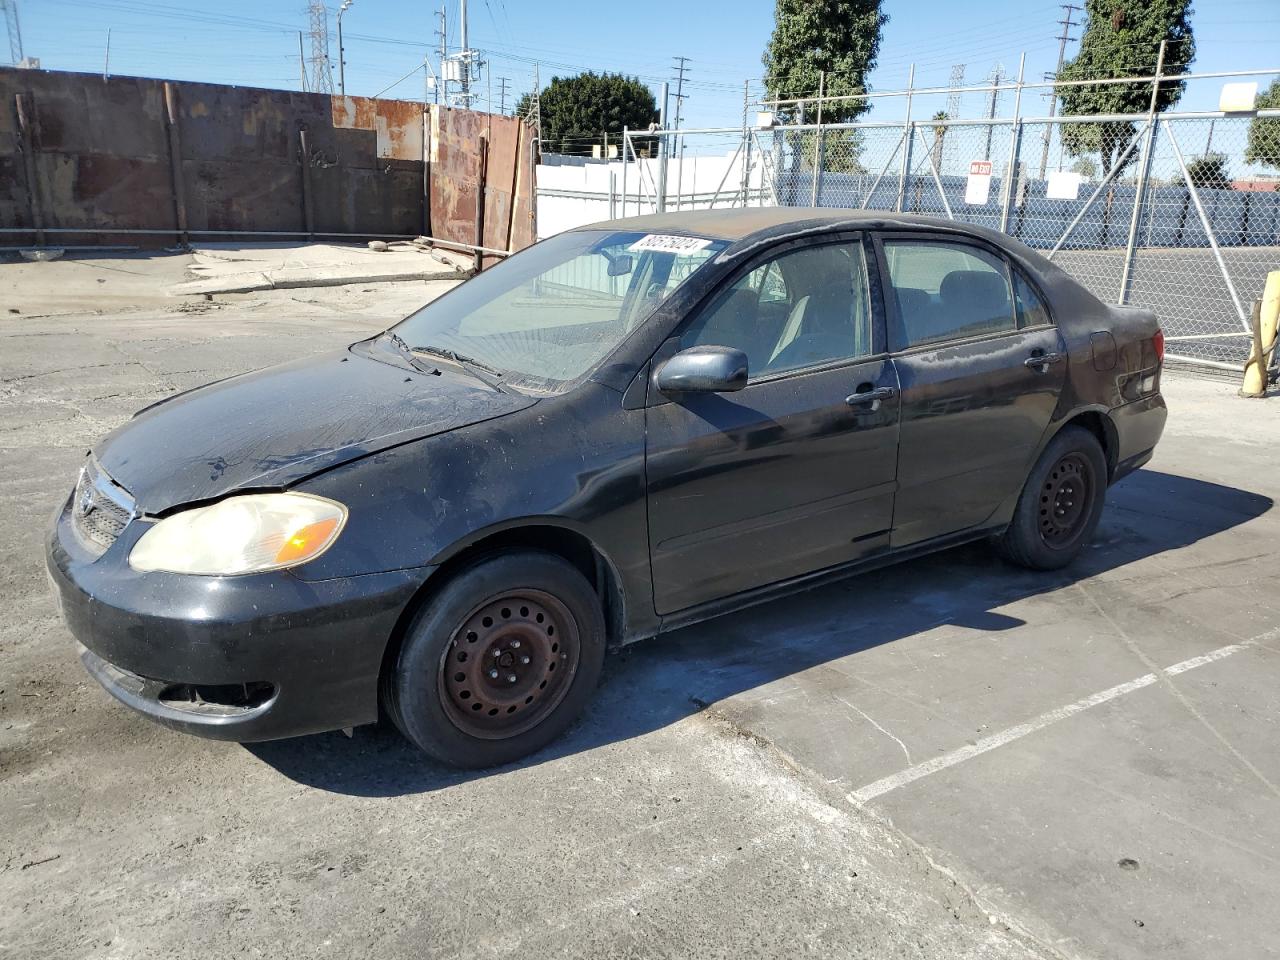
980, 365
795, 472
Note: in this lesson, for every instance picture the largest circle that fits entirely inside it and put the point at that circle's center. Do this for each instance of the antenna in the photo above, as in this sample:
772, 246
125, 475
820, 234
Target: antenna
321, 70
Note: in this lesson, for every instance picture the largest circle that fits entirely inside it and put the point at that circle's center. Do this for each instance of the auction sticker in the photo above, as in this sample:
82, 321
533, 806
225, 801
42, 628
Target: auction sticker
664, 244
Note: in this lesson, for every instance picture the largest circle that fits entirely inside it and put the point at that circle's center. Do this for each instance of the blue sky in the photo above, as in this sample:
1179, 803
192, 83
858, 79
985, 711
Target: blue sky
254, 42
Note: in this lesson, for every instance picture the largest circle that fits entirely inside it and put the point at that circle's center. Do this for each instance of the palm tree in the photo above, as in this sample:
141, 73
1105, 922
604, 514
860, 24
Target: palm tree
939, 132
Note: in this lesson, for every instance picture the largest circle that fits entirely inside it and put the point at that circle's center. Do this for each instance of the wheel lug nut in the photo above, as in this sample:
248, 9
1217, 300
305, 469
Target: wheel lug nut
515, 644
511, 678
493, 674
524, 659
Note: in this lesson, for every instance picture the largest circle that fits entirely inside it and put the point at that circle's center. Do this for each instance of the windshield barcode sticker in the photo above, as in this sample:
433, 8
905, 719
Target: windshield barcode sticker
664, 244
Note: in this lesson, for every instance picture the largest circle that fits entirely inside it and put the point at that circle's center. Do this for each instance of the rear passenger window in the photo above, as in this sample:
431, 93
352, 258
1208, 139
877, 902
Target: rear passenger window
947, 291
1031, 309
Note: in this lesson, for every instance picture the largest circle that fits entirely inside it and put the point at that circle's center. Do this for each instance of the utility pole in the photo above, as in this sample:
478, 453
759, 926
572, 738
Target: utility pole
466, 59
679, 141
302, 64
106, 61
680, 72
321, 70
995, 77
443, 33
1067, 23
342, 53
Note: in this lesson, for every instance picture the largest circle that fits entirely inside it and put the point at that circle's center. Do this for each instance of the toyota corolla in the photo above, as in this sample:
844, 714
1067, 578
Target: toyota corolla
624, 429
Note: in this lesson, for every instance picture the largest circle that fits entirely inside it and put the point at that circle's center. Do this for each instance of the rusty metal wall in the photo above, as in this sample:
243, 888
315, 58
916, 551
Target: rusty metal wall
80, 152
481, 179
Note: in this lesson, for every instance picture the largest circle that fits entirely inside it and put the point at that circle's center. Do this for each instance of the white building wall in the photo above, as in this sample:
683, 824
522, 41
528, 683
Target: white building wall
570, 196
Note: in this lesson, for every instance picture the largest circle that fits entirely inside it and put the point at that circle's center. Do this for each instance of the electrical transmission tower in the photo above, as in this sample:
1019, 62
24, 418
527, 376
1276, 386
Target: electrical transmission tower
15, 34
321, 69
1067, 23
954, 96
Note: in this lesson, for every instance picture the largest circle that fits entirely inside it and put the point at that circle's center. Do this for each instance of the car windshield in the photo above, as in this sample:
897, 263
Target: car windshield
546, 317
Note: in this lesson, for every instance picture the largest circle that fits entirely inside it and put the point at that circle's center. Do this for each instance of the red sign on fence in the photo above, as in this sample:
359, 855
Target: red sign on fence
980, 168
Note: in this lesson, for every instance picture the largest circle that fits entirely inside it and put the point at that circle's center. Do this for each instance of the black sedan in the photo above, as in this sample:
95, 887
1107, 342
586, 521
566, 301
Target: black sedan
624, 429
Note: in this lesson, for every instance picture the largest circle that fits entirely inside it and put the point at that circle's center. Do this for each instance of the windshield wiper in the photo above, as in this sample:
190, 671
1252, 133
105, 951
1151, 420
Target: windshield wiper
489, 376
408, 353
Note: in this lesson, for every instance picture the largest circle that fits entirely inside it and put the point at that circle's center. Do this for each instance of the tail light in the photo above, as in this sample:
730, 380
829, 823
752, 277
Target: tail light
1158, 342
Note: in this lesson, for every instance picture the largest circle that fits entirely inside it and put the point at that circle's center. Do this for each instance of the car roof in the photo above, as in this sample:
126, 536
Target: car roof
761, 222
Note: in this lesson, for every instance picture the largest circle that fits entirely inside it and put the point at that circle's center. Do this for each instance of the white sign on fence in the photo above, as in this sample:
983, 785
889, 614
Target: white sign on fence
977, 189
1063, 185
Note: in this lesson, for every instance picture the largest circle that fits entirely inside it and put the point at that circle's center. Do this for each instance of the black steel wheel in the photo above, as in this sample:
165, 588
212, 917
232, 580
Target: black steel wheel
509, 664
1065, 497
1060, 504
499, 662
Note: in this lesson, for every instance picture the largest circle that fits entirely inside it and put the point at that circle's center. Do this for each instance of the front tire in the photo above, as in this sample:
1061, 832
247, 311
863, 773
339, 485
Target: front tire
500, 662
1060, 505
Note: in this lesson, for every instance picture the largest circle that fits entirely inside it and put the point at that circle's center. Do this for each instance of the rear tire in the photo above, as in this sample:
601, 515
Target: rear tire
500, 662
1060, 504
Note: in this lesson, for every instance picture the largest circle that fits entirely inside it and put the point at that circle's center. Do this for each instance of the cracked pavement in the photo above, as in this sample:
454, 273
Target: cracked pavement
708, 804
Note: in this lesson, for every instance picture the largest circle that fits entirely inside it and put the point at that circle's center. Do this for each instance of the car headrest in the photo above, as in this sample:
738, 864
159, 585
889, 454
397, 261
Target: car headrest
911, 301
970, 289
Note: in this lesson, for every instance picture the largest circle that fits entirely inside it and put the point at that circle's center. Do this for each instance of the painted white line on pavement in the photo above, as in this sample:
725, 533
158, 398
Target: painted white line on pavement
968, 751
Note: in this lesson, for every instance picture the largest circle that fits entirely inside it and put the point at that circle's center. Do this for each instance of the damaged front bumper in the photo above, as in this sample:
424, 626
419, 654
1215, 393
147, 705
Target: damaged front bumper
247, 658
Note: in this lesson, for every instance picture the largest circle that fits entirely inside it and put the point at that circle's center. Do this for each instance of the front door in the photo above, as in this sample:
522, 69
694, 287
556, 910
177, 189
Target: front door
795, 472
981, 366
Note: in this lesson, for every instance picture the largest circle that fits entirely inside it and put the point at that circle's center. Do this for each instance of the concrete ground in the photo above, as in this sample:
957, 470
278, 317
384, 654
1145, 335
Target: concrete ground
946, 759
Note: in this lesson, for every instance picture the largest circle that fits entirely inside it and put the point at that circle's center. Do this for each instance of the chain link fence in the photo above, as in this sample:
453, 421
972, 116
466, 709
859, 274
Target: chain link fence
1162, 212
1174, 211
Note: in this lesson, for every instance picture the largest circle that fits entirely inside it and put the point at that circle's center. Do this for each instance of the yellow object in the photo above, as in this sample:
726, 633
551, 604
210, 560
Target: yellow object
1255, 371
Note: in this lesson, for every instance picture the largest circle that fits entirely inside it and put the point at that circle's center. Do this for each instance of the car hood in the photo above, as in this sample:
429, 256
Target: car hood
274, 427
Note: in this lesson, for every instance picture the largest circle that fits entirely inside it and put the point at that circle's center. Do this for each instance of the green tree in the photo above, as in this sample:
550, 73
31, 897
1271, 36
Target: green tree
1122, 39
1263, 144
940, 128
812, 38
1209, 171
1085, 167
578, 111
840, 38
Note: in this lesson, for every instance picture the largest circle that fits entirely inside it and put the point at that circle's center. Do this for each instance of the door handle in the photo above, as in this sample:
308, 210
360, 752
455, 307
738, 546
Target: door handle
1041, 361
872, 397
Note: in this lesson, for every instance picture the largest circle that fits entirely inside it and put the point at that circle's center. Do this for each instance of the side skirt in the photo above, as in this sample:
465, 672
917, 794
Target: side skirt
750, 598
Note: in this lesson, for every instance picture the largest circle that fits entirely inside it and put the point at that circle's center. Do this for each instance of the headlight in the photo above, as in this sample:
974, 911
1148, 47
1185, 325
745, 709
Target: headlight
246, 534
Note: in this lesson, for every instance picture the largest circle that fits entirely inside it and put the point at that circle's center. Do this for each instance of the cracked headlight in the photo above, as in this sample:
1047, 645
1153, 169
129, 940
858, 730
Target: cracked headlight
245, 534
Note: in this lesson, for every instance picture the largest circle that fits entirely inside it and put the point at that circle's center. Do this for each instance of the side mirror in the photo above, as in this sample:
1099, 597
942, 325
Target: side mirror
708, 369
621, 265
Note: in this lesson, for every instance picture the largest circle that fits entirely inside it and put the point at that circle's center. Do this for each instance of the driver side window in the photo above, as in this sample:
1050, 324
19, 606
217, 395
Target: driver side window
800, 309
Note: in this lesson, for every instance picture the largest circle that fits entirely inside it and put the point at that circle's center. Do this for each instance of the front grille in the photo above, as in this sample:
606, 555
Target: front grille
100, 510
